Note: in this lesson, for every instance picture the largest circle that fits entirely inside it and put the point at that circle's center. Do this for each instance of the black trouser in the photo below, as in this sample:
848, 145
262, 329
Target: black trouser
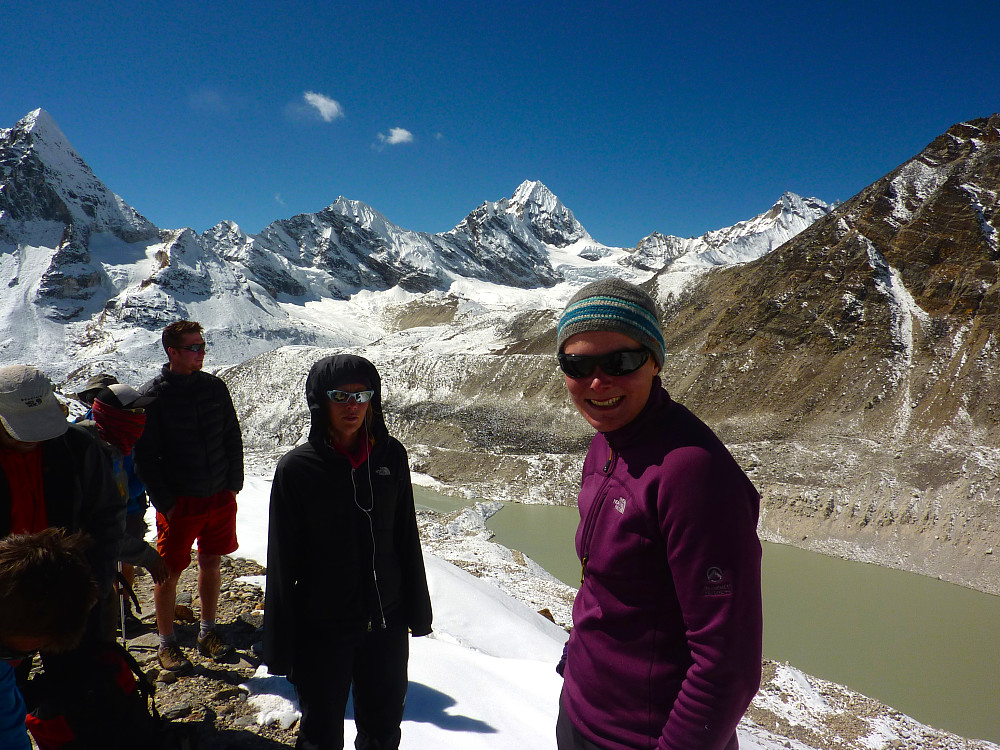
568, 737
376, 669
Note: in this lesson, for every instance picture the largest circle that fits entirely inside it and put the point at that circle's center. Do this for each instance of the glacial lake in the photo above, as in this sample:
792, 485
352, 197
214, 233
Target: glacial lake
927, 648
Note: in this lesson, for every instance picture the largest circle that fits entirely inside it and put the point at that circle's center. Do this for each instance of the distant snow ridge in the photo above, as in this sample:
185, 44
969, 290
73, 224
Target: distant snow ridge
85, 278
354, 248
740, 243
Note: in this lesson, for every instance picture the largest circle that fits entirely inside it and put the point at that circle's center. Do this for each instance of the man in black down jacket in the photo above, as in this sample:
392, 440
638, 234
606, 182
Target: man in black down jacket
345, 574
190, 457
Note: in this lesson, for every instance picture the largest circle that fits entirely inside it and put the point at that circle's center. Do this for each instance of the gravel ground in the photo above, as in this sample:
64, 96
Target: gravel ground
207, 706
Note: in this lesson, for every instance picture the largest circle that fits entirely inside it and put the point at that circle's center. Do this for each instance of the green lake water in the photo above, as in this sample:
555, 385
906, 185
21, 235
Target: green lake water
924, 647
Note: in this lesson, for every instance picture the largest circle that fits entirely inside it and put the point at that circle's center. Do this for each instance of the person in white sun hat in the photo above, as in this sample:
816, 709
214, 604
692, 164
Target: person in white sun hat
53, 474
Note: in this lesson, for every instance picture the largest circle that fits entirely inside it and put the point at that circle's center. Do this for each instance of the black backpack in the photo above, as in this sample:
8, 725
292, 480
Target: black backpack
96, 697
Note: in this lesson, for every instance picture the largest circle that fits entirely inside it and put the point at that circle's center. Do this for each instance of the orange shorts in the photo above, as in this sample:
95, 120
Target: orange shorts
210, 520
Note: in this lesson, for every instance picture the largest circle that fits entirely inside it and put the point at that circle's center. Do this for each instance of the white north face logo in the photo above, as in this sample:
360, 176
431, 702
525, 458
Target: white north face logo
620, 505
382, 471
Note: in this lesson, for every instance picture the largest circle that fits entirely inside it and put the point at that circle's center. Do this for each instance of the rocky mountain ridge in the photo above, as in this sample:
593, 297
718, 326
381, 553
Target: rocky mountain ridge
89, 279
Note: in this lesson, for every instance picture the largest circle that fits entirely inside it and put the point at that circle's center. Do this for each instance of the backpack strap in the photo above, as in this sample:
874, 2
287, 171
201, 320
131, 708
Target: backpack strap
146, 688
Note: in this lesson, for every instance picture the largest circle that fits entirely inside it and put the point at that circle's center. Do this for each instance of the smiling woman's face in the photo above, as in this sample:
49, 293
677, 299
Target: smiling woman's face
609, 402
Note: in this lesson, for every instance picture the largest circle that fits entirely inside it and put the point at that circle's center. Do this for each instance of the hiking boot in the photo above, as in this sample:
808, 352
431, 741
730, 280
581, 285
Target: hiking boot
173, 660
214, 647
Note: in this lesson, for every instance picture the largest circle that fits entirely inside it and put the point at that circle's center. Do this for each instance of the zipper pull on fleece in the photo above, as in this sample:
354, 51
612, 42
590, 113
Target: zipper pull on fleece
611, 457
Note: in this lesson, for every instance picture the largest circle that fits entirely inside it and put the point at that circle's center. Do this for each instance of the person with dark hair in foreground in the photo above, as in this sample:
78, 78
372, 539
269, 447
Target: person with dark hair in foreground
665, 650
46, 594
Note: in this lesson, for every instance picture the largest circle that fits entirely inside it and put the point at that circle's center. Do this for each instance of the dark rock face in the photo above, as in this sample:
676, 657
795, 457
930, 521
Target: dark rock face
487, 246
859, 363
71, 275
71, 278
26, 194
889, 280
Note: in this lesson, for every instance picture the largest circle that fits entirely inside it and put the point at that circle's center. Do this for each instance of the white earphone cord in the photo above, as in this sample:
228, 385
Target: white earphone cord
371, 524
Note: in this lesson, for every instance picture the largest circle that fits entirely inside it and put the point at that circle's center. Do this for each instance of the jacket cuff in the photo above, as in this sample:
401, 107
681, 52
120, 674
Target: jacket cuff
163, 504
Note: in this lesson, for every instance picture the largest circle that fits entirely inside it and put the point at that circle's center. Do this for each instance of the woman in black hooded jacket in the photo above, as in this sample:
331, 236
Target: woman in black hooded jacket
345, 574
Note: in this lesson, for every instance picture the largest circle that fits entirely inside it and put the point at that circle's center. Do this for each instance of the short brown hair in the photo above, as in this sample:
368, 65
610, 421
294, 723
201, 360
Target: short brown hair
174, 333
46, 587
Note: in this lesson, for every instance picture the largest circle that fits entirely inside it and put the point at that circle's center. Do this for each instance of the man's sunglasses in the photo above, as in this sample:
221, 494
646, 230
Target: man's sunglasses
192, 347
621, 362
345, 397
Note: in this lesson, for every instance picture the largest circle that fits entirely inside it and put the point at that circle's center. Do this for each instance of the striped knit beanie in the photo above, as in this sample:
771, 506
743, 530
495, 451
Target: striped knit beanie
613, 305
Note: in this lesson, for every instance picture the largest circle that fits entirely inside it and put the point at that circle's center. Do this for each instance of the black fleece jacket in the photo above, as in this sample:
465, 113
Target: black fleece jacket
343, 553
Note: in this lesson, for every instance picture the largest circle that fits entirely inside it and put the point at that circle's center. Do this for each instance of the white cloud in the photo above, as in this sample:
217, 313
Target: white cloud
329, 109
278, 200
396, 136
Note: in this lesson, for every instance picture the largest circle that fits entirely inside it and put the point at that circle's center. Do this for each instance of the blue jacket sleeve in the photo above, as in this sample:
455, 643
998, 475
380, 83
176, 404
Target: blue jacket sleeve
13, 735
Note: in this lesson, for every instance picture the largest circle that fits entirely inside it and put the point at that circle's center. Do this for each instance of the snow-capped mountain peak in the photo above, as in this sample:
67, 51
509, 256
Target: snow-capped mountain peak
536, 205
364, 216
42, 125
534, 193
42, 178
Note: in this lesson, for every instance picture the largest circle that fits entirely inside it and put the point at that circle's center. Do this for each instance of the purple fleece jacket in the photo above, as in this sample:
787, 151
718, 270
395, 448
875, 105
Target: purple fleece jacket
666, 644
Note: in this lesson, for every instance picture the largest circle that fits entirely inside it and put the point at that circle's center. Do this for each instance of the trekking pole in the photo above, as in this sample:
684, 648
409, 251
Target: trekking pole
121, 605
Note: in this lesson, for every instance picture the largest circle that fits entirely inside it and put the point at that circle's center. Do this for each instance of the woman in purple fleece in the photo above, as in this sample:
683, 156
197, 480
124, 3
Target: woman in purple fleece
666, 645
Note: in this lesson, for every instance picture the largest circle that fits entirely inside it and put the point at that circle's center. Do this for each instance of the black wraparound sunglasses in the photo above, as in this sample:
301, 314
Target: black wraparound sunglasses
192, 348
622, 362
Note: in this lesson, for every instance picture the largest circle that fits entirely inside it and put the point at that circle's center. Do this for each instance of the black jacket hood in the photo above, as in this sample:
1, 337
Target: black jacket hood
335, 371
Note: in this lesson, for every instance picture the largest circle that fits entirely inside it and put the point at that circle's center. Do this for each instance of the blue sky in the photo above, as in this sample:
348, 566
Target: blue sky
641, 117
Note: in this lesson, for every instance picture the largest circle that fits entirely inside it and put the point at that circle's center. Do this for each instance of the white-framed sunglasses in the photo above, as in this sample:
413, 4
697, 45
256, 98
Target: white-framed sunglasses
345, 397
